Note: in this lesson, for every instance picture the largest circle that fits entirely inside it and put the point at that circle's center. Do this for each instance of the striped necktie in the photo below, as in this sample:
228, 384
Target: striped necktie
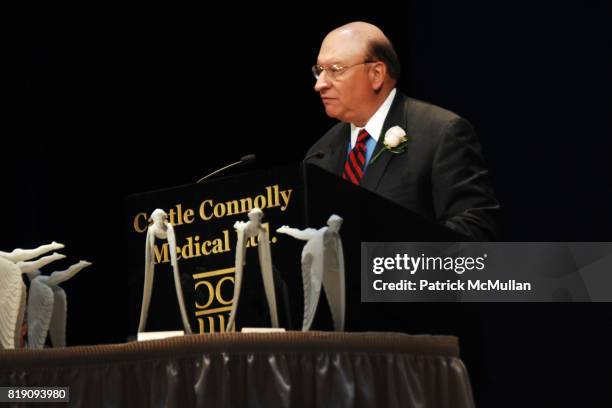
355, 163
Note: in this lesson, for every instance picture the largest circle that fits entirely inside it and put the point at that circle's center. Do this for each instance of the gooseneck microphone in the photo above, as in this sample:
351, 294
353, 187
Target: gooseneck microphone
248, 159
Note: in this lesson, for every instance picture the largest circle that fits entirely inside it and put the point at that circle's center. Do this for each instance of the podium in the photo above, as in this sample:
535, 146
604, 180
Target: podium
300, 196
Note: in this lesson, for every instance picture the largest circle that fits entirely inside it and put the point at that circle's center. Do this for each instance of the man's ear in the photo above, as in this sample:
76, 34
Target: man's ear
378, 73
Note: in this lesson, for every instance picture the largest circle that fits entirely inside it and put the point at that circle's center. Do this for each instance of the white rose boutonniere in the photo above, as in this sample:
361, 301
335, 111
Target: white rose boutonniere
394, 141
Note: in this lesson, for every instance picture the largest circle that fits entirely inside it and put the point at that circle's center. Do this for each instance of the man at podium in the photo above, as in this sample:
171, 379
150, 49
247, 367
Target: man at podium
418, 155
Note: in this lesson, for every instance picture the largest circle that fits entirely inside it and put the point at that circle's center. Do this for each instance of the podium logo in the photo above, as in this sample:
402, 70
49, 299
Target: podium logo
216, 288
193, 248
272, 197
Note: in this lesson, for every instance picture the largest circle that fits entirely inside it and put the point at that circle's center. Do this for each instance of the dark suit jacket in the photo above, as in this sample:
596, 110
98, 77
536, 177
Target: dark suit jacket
441, 175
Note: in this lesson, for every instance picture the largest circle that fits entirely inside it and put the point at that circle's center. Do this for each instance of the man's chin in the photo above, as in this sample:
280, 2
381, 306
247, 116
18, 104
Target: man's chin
331, 112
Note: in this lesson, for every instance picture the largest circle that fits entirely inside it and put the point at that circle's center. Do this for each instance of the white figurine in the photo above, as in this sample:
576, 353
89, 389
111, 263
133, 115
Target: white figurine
13, 293
19, 254
47, 306
160, 229
31, 266
246, 230
322, 262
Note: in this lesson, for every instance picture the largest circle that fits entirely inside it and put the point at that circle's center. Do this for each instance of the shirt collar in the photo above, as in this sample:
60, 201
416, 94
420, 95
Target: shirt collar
376, 122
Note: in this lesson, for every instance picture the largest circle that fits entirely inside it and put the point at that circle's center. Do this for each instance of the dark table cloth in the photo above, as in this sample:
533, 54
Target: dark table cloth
293, 369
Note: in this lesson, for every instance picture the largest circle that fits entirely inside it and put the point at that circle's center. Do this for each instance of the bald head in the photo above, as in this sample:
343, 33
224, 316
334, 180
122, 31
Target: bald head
368, 40
359, 32
357, 69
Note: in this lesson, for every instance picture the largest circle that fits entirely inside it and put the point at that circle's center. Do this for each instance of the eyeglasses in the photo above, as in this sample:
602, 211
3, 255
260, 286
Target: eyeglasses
334, 70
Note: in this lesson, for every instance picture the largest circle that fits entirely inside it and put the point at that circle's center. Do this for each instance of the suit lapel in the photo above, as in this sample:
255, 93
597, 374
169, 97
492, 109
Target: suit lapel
335, 156
374, 171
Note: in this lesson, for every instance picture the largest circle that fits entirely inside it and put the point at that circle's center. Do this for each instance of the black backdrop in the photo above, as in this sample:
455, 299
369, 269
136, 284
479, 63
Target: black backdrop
115, 98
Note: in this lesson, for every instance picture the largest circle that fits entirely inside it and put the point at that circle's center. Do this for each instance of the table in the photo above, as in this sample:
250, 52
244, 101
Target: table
291, 369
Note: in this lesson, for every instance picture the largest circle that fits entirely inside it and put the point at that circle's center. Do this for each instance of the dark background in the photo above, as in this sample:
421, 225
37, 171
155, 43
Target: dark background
115, 98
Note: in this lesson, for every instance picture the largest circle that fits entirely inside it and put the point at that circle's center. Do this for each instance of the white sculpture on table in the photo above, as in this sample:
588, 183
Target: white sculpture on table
13, 293
160, 229
19, 254
322, 263
48, 307
245, 231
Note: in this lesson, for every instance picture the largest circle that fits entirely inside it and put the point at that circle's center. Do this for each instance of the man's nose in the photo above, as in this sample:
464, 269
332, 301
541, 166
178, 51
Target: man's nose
322, 82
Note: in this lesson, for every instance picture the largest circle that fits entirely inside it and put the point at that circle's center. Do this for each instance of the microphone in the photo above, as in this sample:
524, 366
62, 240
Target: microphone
244, 160
318, 154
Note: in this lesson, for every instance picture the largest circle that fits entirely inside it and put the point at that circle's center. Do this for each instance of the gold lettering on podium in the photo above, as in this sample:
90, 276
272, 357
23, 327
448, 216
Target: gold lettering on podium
212, 314
193, 248
211, 294
211, 327
218, 290
160, 255
272, 197
140, 222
